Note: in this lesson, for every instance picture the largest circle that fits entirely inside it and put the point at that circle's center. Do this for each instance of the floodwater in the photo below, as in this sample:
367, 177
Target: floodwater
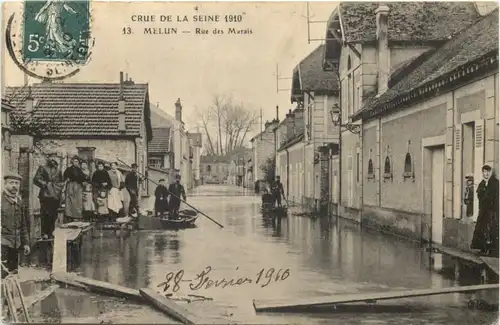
298, 257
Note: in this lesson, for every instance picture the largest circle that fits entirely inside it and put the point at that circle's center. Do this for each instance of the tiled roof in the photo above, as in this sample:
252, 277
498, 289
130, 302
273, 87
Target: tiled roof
310, 76
161, 141
6, 105
290, 142
408, 21
471, 44
160, 118
86, 109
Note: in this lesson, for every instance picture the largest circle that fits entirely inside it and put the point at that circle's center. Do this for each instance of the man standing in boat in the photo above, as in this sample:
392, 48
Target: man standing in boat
277, 191
175, 191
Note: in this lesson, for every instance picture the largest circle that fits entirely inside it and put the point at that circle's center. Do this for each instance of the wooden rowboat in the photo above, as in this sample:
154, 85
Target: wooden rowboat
274, 211
186, 219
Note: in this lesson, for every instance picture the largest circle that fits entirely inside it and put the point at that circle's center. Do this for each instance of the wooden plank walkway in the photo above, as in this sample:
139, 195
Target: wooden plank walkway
72, 279
491, 262
284, 305
454, 252
169, 307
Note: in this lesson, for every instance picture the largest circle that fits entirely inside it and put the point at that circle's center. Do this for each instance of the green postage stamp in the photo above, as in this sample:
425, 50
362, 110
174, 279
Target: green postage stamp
56, 30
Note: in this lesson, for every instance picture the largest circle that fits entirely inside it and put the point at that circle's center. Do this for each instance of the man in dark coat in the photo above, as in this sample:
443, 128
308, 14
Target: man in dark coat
15, 225
485, 235
176, 191
49, 179
132, 181
161, 194
277, 191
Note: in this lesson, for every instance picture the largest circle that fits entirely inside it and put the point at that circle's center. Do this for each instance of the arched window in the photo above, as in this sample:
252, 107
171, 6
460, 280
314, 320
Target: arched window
371, 173
387, 169
408, 168
209, 168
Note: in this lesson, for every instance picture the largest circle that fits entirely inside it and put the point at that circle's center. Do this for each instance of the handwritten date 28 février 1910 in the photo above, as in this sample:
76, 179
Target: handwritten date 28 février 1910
203, 281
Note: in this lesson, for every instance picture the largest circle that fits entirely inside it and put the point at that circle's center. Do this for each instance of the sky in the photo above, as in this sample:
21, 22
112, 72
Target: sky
196, 67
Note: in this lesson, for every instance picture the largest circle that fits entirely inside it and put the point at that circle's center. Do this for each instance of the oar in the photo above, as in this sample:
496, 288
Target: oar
189, 205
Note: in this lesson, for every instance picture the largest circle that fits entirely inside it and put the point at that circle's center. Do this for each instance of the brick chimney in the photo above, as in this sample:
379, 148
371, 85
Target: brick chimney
178, 110
29, 102
299, 120
290, 125
121, 106
383, 52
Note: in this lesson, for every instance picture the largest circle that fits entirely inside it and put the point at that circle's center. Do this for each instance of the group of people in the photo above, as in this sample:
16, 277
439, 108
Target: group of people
84, 194
273, 196
169, 199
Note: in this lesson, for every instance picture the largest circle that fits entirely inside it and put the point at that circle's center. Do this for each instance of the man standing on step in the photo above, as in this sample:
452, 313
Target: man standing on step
132, 181
49, 179
15, 225
485, 236
176, 191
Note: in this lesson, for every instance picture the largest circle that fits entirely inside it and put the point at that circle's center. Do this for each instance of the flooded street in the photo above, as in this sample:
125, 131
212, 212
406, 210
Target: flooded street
295, 257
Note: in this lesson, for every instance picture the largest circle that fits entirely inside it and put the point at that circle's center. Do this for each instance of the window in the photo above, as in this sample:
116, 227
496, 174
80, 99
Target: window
155, 162
387, 169
371, 173
86, 153
408, 171
209, 168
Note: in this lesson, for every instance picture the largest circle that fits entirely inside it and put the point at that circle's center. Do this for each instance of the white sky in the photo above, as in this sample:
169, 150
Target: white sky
194, 67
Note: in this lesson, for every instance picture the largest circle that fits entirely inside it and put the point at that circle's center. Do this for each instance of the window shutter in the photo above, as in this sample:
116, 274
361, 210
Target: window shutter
458, 137
478, 157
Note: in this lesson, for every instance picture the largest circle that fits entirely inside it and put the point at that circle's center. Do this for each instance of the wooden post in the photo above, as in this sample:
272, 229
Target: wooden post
60, 257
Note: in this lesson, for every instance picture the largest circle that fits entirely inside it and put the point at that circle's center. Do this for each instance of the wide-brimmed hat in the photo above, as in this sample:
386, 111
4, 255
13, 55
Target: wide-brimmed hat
12, 175
469, 176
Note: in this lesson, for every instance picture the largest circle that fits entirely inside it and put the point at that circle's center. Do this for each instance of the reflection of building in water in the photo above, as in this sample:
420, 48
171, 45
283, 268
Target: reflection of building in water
142, 260
160, 246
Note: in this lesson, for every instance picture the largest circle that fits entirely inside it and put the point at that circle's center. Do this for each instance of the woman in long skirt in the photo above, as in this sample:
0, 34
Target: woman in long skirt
115, 196
74, 190
101, 184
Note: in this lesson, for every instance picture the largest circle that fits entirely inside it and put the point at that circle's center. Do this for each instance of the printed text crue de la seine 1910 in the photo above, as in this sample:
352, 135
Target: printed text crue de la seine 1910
164, 24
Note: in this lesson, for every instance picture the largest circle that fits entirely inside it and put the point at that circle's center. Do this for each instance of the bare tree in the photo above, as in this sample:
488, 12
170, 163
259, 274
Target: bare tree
226, 122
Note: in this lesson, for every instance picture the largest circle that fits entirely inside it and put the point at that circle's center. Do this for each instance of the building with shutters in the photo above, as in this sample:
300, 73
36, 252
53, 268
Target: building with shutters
427, 100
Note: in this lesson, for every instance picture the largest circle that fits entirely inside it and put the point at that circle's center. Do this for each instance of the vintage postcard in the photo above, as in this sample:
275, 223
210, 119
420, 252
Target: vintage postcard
250, 162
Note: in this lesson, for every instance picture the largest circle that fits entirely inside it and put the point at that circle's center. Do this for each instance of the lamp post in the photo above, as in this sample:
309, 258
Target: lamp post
336, 116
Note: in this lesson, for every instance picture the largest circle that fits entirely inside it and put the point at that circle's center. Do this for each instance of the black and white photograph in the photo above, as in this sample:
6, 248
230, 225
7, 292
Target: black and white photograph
231, 162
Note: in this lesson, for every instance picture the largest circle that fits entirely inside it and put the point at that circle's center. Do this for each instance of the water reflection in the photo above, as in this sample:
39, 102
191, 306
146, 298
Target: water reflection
325, 256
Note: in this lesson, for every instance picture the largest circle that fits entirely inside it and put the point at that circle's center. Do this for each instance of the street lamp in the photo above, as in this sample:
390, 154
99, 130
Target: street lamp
337, 120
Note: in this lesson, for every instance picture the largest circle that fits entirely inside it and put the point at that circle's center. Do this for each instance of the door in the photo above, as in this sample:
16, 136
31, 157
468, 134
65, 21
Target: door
437, 194
437, 198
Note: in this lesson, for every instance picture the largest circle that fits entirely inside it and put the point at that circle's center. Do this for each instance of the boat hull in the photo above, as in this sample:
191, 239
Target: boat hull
151, 222
274, 211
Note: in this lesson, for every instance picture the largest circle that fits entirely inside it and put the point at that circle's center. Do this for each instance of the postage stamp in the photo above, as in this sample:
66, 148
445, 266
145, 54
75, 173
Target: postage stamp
51, 39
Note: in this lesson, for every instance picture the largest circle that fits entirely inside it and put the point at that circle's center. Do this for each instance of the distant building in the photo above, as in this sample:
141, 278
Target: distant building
263, 148
214, 169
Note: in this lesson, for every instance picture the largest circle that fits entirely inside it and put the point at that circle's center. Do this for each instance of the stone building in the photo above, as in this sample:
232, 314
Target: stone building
263, 148
316, 91
92, 120
427, 100
290, 155
214, 169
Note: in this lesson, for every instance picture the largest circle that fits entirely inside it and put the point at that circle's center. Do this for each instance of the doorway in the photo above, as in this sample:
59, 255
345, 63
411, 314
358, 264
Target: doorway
437, 200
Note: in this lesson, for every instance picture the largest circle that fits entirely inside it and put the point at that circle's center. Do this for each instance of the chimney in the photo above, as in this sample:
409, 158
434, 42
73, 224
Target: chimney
28, 105
299, 120
383, 53
178, 110
121, 107
290, 125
